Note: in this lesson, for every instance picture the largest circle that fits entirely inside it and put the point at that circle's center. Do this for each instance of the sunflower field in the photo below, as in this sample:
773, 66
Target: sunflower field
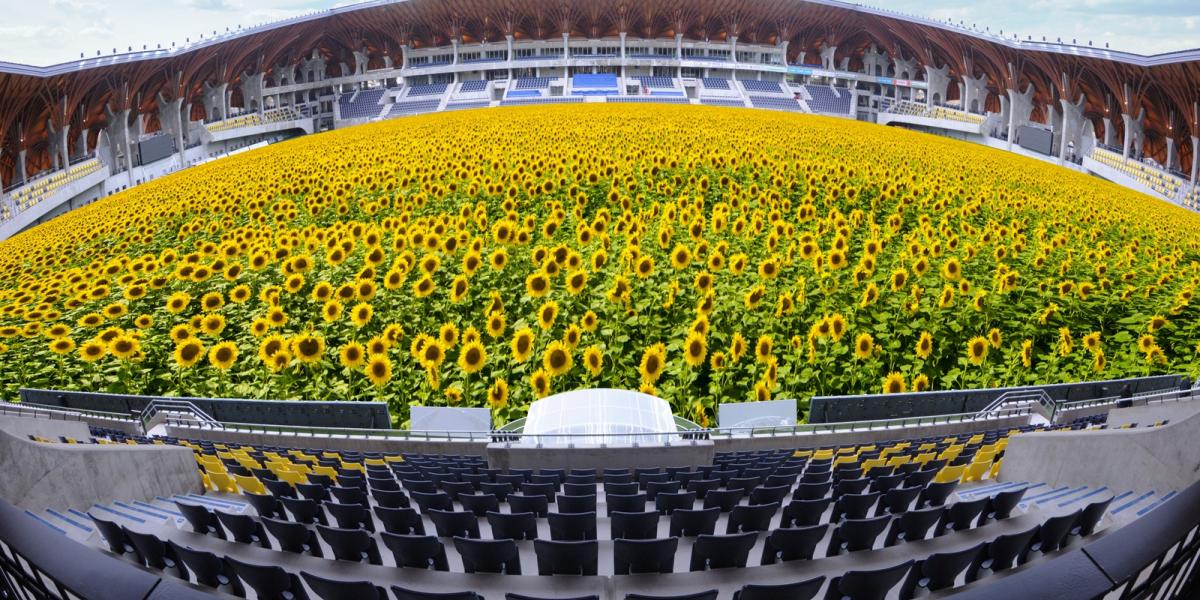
704, 255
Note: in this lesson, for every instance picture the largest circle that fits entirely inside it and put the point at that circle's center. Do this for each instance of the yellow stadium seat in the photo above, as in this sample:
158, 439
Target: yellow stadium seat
872, 463
845, 460
208, 485
375, 462
948, 474
217, 467
896, 461
923, 448
802, 453
292, 477
396, 458
976, 471
984, 457
250, 484
328, 454
924, 457
222, 482
822, 455
353, 466
995, 469
326, 471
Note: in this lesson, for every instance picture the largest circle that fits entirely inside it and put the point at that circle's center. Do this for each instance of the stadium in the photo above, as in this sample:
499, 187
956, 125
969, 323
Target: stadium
601, 300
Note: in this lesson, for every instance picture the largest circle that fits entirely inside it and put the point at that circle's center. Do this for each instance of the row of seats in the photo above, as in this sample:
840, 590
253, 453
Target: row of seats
360, 104
825, 99
532, 83
1149, 176
714, 83
433, 89
414, 107
775, 103
662, 83
756, 86
478, 85
38, 190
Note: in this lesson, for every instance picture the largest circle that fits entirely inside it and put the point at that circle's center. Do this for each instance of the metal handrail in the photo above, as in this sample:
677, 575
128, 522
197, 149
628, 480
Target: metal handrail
69, 411
159, 405
685, 435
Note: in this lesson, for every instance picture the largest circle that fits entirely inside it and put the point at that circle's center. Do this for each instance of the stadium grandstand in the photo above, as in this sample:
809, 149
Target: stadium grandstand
601, 300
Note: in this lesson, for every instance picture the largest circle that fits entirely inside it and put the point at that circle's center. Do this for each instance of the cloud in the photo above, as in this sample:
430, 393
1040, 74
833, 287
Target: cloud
214, 5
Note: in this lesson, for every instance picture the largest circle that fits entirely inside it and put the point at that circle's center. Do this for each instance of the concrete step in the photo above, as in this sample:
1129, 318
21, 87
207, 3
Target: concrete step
75, 528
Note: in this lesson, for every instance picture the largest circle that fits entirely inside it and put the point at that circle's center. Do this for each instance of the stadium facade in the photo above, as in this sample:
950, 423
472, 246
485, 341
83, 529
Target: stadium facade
76, 131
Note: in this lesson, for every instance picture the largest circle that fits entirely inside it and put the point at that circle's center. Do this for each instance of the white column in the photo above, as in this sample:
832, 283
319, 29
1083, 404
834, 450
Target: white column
508, 40
1195, 157
454, 48
1128, 141
678, 54
1012, 125
566, 54
1110, 134
623, 54
404, 56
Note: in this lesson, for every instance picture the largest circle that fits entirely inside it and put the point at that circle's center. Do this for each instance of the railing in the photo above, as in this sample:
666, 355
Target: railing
57, 413
164, 405
1152, 557
1156, 397
684, 436
37, 564
1029, 397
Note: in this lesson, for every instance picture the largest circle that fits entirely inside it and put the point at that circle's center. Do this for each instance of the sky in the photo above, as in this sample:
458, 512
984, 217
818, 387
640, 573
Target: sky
45, 32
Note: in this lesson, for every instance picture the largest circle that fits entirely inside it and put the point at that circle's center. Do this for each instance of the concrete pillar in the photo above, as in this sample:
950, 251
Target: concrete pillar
22, 173
1132, 144
678, 54
1195, 158
1110, 134
623, 36
1054, 119
81, 148
1072, 126
454, 49
566, 54
733, 48
1020, 106
623, 53
170, 116
252, 91
938, 80
404, 56
1170, 153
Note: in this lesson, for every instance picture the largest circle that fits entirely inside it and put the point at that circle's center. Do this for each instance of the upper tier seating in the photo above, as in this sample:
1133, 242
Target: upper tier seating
665, 83
715, 83
43, 187
1147, 175
362, 104
775, 102
478, 85
762, 87
433, 89
532, 83
826, 100
598, 84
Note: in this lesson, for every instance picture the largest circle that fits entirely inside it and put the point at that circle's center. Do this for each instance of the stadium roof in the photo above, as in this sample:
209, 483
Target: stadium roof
1167, 85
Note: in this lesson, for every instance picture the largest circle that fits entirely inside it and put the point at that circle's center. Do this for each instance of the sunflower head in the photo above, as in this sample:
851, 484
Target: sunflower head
188, 352
893, 383
977, 349
864, 345
379, 369
472, 357
222, 355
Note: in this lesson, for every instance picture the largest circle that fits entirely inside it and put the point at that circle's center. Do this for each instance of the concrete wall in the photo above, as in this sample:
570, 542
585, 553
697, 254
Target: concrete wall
60, 476
355, 443
845, 438
1160, 458
1145, 414
23, 427
682, 454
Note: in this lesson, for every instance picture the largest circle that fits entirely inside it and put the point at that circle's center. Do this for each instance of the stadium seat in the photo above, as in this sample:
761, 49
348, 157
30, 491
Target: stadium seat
867, 585
644, 556
935, 494
333, 589
265, 505
633, 525
793, 543
941, 570
488, 556
114, 535
454, 523
390, 498
914, 525
1007, 551
416, 551
408, 594
269, 582
201, 519
575, 504
1053, 533
153, 552
350, 516
354, 545
724, 500
722, 551
250, 484
855, 535
566, 557
800, 513
691, 523
705, 595
293, 537
572, 527
1090, 517
625, 502
961, 515
854, 505
666, 502
208, 568
801, 590
537, 504
428, 501
304, 510
752, 517
513, 526
348, 495
243, 528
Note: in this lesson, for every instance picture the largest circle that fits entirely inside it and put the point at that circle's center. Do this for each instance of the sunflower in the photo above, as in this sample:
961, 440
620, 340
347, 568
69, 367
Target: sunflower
212, 324
223, 355
540, 382
653, 362
762, 392
115, 310
593, 359
379, 369
270, 346
58, 330
448, 335
352, 355
360, 314
62, 345
424, 287
331, 311
378, 345
92, 350
920, 383
522, 344
432, 355
495, 324
576, 281
1091, 341
212, 301
994, 337
308, 347
143, 321
924, 345
644, 267
837, 326
276, 317
893, 383
547, 313
459, 288
240, 294
951, 271
124, 346
864, 345
589, 322
472, 357
695, 349
762, 348
1027, 353
537, 284
259, 327
737, 347
977, 350
1099, 361
498, 394
1155, 323
177, 302
557, 360
681, 257
90, 320
181, 332
498, 260
188, 353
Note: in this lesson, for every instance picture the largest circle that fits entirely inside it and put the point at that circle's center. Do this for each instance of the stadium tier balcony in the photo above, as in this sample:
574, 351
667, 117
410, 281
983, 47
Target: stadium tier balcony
775, 103
1149, 176
659, 83
414, 107
728, 102
434, 89
34, 192
651, 98
478, 85
762, 87
361, 104
826, 100
598, 84
532, 83
713, 83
